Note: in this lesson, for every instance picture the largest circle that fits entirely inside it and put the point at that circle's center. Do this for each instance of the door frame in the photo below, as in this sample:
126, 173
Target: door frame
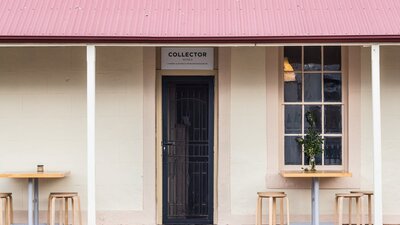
159, 184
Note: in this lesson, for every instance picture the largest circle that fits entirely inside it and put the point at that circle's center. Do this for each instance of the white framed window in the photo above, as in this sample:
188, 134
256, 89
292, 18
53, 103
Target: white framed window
313, 81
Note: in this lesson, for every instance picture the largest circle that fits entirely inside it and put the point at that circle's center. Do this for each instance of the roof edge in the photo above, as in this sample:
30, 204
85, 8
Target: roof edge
211, 39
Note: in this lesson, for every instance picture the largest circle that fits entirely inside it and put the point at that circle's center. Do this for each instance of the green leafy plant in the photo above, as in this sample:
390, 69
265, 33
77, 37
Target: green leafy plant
312, 141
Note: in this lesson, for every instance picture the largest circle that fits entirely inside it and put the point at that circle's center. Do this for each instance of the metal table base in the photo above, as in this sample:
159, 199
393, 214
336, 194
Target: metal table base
315, 201
33, 201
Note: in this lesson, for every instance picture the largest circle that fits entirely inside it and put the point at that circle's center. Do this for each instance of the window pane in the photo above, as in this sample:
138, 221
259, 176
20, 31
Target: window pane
312, 58
316, 111
333, 87
333, 151
333, 119
318, 159
292, 151
292, 119
293, 54
292, 87
312, 87
332, 58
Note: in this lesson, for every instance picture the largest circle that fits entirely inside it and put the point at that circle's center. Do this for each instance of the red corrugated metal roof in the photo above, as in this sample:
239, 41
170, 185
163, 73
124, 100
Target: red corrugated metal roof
199, 20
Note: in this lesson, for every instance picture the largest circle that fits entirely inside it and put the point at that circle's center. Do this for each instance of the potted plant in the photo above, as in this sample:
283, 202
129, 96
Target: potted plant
312, 141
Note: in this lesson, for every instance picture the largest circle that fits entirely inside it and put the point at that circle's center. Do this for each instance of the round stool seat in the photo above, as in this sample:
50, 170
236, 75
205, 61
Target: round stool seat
349, 195
5, 195
63, 194
364, 192
271, 194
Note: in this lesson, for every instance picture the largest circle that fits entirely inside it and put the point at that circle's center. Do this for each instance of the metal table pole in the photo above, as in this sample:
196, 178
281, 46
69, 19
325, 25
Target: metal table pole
36, 202
315, 201
30, 201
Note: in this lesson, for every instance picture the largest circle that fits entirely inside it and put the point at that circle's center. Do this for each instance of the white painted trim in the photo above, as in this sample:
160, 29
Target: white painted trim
376, 122
42, 45
91, 160
180, 44
324, 44
193, 45
130, 44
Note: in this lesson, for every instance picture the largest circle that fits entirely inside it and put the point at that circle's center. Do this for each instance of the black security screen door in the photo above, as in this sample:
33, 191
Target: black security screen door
188, 115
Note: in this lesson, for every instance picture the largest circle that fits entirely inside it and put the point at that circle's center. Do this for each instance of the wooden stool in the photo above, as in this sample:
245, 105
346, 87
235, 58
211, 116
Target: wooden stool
63, 211
272, 197
339, 206
8, 209
369, 194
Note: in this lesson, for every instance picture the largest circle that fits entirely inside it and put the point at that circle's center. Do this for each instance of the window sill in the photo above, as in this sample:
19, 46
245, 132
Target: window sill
317, 173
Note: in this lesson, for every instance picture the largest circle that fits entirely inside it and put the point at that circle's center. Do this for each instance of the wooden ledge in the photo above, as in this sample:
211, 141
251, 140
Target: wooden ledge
318, 173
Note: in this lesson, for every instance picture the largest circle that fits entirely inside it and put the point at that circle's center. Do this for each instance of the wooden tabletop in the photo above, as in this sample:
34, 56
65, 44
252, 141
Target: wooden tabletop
318, 173
46, 174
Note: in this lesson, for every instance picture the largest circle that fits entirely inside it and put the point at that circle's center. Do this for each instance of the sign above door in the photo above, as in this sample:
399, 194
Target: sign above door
187, 58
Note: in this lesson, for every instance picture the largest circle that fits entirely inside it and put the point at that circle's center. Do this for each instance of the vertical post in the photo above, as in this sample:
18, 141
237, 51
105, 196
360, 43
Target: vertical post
315, 201
376, 129
30, 201
91, 172
36, 201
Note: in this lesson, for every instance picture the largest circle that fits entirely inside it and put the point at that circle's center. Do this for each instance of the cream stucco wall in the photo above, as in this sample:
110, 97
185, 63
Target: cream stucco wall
43, 121
248, 127
119, 127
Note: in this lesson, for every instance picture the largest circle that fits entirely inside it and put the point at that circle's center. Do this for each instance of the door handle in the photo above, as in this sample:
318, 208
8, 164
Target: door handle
169, 143
166, 144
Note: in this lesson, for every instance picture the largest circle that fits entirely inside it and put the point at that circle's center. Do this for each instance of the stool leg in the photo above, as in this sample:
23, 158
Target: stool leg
287, 211
350, 201
48, 210
61, 212
79, 211
369, 210
12, 209
281, 213
53, 211
361, 211
358, 211
336, 210
258, 209
270, 211
8, 211
73, 210
1, 212
66, 211
274, 211
340, 208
